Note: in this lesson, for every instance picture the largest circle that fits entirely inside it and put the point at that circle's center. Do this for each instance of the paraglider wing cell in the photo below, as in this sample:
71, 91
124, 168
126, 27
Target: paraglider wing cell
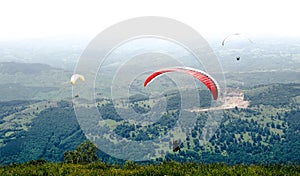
210, 83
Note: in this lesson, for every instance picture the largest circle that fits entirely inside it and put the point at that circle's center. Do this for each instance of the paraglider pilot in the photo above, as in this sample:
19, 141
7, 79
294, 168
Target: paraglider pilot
176, 146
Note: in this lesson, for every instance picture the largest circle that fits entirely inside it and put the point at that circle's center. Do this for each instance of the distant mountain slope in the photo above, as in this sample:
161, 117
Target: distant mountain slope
26, 68
265, 132
53, 131
24, 81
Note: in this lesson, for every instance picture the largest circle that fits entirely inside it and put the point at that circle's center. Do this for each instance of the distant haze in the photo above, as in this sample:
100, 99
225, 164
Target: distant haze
36, 19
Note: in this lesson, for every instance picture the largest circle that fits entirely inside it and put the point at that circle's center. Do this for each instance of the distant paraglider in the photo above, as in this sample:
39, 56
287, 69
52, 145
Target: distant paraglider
75, 77
73, 80
235, 34
206, 79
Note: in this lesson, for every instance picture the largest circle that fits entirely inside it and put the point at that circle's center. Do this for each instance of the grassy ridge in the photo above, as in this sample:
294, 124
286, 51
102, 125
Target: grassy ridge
167, 168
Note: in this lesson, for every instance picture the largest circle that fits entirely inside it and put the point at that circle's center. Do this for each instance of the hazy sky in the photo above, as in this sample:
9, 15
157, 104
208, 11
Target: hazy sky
36, 18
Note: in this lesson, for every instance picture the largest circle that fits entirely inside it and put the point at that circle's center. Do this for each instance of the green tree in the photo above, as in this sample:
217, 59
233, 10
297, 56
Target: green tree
85, 153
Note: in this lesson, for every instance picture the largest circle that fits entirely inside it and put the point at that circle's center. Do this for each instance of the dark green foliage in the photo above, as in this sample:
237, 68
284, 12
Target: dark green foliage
64, 104
10, 107
37, 162
137, 103
256, 143
109, 112
288, 150
85, 153
140, 109
138, 97
165, 168
275, 95
139, 133
53, 131
124, 130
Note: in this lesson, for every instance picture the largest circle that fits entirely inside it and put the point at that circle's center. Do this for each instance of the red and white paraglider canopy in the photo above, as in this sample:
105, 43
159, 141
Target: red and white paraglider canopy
205, 78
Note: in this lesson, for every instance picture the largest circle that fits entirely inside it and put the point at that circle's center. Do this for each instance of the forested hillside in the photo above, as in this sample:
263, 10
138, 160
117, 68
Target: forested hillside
265, 132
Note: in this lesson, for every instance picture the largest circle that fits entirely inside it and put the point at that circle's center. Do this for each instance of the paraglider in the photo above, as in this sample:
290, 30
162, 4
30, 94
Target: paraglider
235, 34
73, 80
206, 79
176, 146
75, 77
239, 36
